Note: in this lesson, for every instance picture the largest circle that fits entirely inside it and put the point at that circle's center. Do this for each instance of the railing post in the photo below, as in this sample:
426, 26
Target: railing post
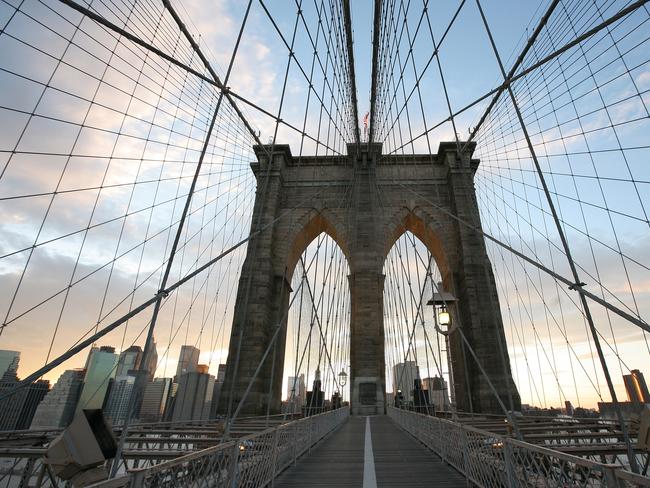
137, 479
610, 478
296, 430
509, 461
234, 461
466, 460
274, 456
441, 442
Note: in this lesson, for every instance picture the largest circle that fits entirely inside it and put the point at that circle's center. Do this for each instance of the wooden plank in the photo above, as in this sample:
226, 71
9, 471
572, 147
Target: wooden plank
399, 459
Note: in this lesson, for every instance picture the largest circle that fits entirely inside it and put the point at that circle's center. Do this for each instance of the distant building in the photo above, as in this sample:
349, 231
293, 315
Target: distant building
101, 368
636, 387
154, 400
129, 361
194, 397
438, 392
216, 394
296, 392
629, 410
171, 400
58, 407
216, 391
17, 411
187, 362
117, 401
315, 401
221, 373
9, 363
404, 375
421, 402
568, 407
390, 399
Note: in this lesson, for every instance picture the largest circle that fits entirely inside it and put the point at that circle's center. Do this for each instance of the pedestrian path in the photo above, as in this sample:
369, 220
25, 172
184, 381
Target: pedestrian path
370, 452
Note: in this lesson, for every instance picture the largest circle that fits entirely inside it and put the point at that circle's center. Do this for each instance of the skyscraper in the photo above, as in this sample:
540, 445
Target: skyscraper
17, 411
129, 361
58, 407
117, 401
187, 362
404, 375
101, 368
438, 393
636, 387
221, 373
9, 362
216, 392
296, 392
154, 399
194, 396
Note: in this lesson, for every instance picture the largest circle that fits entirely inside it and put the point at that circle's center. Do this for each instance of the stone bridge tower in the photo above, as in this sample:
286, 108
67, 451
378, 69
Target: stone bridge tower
365, 201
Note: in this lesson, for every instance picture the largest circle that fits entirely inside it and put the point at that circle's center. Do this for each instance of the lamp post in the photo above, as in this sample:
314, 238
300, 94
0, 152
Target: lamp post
343, 378
441, 316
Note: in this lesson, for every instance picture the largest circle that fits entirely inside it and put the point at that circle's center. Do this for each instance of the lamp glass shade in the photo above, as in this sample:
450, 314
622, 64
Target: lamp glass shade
444, 318
343, 378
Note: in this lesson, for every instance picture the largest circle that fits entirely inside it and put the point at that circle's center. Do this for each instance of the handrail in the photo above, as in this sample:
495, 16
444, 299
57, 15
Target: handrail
488, 459
253, 460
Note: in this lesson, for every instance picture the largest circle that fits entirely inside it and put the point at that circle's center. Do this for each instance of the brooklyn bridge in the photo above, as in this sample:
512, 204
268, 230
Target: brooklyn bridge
324, 243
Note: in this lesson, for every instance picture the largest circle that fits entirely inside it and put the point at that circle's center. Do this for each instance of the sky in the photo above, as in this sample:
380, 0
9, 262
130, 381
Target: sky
94, 135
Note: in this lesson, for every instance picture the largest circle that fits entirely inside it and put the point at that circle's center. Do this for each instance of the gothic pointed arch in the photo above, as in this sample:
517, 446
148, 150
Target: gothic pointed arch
307, 228
426, 229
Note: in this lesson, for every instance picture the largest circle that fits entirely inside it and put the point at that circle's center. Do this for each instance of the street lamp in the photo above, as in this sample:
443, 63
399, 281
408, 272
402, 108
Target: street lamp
443, 316
343, 378
440, 300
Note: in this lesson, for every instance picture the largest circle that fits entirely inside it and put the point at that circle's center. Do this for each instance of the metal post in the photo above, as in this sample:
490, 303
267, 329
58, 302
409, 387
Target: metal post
234, 464
465, 454
274, 455
137, 479
441, 443
510, 469
296, 428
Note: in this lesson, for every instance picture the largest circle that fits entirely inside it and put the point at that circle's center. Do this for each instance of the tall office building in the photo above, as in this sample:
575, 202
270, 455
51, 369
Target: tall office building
102, 364
221, 373
117, 401
636, 387
404, 376
154, 400
58, 407
194, 397
216, 392
438, 392
17, 411
296, 392
171, 400
129, 361
187, 362
9, 362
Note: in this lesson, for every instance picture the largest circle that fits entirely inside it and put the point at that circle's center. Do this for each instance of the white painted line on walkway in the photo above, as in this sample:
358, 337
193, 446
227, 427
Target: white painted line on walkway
369, 476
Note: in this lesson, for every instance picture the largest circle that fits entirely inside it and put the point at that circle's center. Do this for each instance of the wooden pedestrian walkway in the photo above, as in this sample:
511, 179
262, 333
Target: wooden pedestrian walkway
370, 452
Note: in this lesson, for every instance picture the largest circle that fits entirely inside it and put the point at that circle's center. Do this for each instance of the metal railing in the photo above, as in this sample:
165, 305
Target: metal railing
490, 460
251, 461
